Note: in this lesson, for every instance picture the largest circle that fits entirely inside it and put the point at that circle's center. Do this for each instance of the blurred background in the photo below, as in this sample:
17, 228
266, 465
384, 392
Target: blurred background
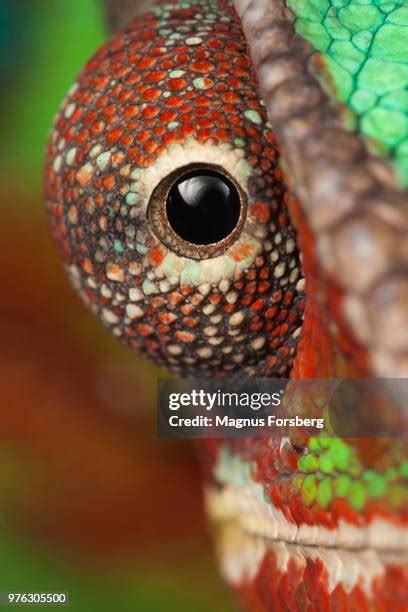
91, 502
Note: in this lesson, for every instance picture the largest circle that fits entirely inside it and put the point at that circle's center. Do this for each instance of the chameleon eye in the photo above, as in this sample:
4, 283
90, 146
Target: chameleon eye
167, 203
198, 211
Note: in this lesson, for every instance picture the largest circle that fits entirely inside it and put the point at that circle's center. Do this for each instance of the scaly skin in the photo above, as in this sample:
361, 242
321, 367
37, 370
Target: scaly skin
303, 524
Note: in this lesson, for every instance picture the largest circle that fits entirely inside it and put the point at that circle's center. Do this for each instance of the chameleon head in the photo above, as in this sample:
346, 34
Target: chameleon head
167, 202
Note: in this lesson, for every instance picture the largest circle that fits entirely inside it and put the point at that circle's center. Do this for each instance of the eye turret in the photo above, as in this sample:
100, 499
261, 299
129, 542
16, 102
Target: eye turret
167, 203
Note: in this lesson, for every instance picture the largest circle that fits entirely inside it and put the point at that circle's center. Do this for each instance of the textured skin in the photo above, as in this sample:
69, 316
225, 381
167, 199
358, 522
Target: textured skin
164, 94
362, 60
314, 484
349, 198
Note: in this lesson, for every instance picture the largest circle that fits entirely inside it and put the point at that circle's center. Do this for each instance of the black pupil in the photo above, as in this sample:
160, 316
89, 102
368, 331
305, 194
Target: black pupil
203, 207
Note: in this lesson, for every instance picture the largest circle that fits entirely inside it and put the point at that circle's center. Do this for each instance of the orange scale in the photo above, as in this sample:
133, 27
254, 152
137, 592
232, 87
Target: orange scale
181, 58
177, 84
114, 135
150, 146
109, 182
190, 322
148, 161
214, 43
235, 120
204, 134
258, 305
235, 83
124, 95
270, 137
115, 91
215, 298
175, 298
251, 131
134, 46
187, 118
186, 108
157, 302
157, 51
142, 136
228, 308
100, 102
292, 316
169, 138
271, 312
222, 134
200, 53
82, 137
118, 44
163, 329
186, 290
186, 130
133, 79
121, 71
76, 115
144, 330
278, 174
186, 309
111, 120
211, 93
118, 57
150, 111
263, 287
201, 101
126, 140
97, 127
186, 337
204, 123
136, 157
229, 109
159, 130
146, 62
246, 300
174, 101
130, 111
167, 317
133, 125
255, 147
167, 116
100, 82
203, 66
152, 94
156, 75
239, 72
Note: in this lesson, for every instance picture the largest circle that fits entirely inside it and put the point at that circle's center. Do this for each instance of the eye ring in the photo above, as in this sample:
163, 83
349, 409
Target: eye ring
158, 214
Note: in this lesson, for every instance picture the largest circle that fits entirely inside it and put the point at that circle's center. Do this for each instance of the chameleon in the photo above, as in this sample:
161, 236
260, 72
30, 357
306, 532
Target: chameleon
292, 117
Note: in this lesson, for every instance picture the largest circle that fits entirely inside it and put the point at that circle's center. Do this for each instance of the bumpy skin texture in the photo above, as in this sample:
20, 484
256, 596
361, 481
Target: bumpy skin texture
304, 523
348, 196
361, 57
175, 88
